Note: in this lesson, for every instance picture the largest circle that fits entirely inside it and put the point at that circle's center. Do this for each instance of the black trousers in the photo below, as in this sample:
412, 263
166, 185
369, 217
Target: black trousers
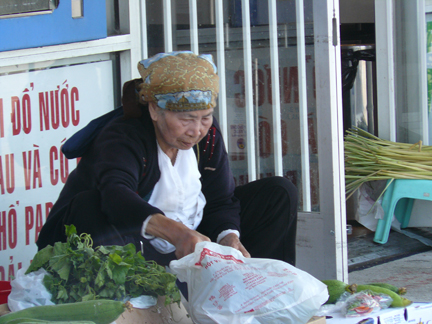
268, 221
269, 218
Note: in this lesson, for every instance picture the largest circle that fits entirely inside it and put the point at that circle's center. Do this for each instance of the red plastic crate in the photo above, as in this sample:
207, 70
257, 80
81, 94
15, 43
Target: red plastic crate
5, 289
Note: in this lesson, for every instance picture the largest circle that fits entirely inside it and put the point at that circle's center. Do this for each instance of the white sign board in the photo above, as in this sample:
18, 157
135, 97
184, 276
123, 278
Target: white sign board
39, 111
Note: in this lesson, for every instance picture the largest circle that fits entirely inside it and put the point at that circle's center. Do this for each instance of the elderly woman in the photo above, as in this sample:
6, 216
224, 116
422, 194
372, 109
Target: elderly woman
156, 174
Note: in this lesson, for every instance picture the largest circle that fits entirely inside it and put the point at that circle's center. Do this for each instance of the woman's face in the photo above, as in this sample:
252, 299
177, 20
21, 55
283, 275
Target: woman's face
180, 130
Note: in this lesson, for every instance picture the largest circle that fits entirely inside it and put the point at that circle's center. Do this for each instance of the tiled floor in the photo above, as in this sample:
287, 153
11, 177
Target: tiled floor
412, 272
364, 253
404, 261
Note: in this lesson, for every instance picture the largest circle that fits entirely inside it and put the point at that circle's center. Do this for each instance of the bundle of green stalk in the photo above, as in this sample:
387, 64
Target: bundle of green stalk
369, 158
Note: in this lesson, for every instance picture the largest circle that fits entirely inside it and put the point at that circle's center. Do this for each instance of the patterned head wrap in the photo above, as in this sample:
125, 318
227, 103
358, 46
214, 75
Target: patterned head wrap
179, 81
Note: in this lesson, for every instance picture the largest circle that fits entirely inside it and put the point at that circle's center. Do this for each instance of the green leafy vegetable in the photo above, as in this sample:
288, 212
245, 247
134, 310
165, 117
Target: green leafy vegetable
80, 273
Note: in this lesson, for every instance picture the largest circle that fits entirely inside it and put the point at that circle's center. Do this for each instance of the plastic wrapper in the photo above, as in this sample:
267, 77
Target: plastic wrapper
364, 303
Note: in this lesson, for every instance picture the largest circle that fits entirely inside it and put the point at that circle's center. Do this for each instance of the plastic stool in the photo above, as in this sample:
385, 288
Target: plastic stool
398, 200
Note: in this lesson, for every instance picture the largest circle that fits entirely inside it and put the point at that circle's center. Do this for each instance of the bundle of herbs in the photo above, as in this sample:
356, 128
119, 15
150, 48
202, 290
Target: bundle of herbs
369, 158
79, 272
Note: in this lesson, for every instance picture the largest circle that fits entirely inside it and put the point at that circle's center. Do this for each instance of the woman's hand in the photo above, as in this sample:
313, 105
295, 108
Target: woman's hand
233, 241
182, 237
187, 241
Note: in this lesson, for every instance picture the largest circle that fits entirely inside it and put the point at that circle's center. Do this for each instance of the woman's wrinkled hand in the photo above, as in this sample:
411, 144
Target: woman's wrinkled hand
185, 244
233, 241
182, 237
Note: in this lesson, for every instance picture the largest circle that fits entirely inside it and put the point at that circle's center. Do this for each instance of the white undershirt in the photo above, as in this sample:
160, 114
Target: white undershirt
178, 194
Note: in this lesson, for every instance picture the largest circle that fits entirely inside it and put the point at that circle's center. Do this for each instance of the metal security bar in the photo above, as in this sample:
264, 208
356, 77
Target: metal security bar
421, 22
274, 61
168, 40
385, 69
144, 42
136, 34
247, 56
303, 111
193, 17
220, 50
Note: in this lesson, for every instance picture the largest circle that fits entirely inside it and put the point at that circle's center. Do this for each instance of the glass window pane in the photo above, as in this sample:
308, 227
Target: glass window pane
407, 69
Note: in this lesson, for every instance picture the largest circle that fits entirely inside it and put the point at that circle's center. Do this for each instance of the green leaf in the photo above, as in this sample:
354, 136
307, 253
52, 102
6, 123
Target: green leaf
88, 297
41, 259
62, 293
106, 293
70, 229
62, 265
60, 248
119, 273
103, 250
130, 249
115, 258
74, 295
100, 277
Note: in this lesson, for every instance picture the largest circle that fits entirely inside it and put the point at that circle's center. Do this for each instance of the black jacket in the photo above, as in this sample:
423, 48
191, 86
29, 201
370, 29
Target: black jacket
121, 163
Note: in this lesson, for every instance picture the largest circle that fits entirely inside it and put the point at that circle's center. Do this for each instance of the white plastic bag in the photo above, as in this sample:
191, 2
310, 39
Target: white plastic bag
28, 290
225, 287
366, 203
143, 302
